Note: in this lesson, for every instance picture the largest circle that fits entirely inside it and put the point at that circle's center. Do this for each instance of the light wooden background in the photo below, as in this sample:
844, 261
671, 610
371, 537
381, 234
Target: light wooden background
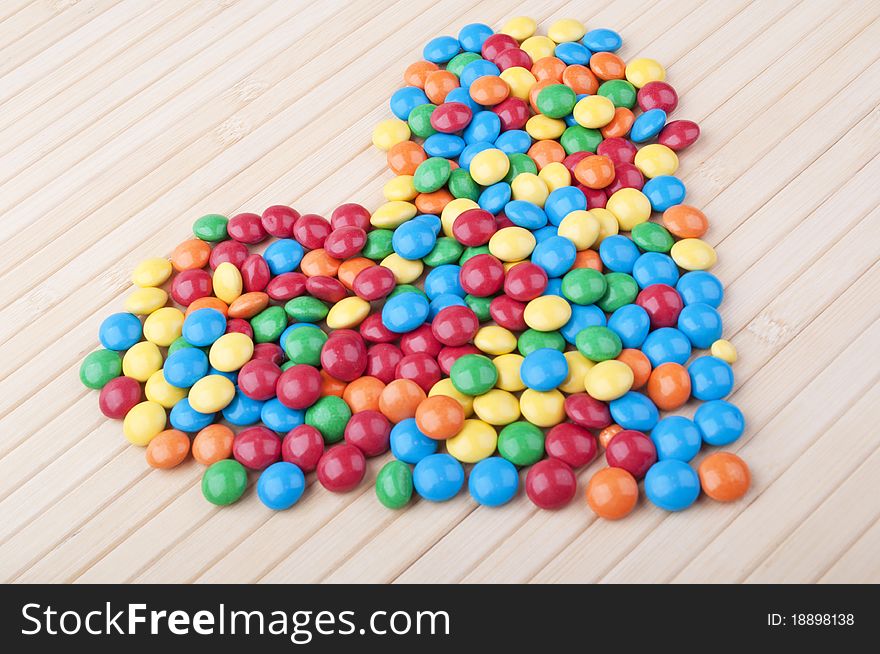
121, 122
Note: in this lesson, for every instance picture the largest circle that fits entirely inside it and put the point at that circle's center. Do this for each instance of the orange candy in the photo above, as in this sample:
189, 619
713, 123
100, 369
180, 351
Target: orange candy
331, 385
724, 476
350, 268
606, 65
191, 254
248, 305
595, 171
548, 68
212, 444
400, 399
620, 125
416, 74
588, 259
439, 417
536, 89
438, 85
669, 386
318, 262
167, 449
685, 221
363, 394
546, 152
209, 302
612, 493
433, 203
639, 364
608, 433
580, 79
405, 157
489, 90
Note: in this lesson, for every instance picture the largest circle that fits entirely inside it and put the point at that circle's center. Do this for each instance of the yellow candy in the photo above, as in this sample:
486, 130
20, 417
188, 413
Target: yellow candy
144, 301
348, 313
453, 210
160, 391
542, 408
392, 215
581, 228
555, 175
400, 188
512, 243
227, 282
151, 272
141, 361
405, 271
231, 351
656, 159
593, 111
211, 394
475, 442
608, 380
494, 340
578, 366
693, 254
547, 313
643, 70
541, 127
143, 422
520, 81
445, 387
163, 326
508, 366
520, 28
608, 225
630, 206
724, 350
389, 133
529, 187
538, 47
489, 166
565, 30
497, 407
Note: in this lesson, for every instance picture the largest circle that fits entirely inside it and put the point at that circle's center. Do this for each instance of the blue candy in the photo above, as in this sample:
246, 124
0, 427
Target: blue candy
563, 201
447, 146
582, 316
701, 323
711, 378
405, 99
283, 256
462, 95
120, 331
414, 239
664, 191
655, 268
555, 255
184, 367
243, 410
676, 437
544, 233
484, 126
634, 411
573, 54
631, 323
439, 302
544, 369
493, 481
647, 125
444, 279
525, 214
618, 253
475, 70
514, 141
719, 422
441, 49
185, 418
409, 444
554, 287
403, 313
438, 477
672, 485
470, 151
602, 40
700, 286
666, 344
281, 485
280, 418
494, 198
472, 36
204, 326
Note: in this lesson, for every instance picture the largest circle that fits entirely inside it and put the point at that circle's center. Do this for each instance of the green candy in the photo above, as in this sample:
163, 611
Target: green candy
431, 174
462, 185
583, 285
394, 485
598, 343
479, 305
224, 482
420, 120
520, 163
179, 343
306, 308
211, 227
405, 288
472, 252
99, 367
473, 374
446, 250
622, 289
304, 344
329, 415
652, 237
521, 443
531, 340
268, 324
556, 100
378, 245
620, 92
287, 364
580, 139
459, 61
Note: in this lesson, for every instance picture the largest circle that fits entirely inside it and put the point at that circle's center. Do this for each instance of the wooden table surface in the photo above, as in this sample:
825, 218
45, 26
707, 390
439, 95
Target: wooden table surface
121, 122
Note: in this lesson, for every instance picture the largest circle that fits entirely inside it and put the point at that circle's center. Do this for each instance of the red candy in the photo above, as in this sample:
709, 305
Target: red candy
657, 95
512, 57
574, 159
474, 227
551, 484
587, 411
256, 447
679, 134
344, 355
246, 228
279, 220
632, 451
626, 175
571, 444
351, 214
269, 352
228, 252
255, 274
525, 281
118, 396
513, 112
451, 117
286, 286
449, 355
663, 304
374, 331
382, 360
299, 387
328, 289
455, 325
420, 368
496, 44
369, 431
311, 231
421, 340
620, 151
341, 468
596, 198
190, 285
508, 313
303, 446
240, 326
345, 242
482, 275
257, 379
374, 283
